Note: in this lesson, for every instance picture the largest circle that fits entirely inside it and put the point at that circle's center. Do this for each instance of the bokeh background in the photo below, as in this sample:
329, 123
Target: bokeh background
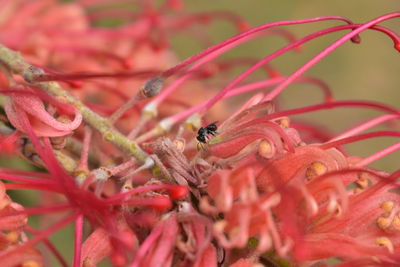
369, 70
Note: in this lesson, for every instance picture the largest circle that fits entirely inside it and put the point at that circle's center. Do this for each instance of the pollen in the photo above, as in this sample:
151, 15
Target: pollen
396, 221
265, 149
12, 236
316, 169
383, 223
389, 224
30, 263
284, 123
87, 262
389, 221
357, 190
3, 203
220, 226
387, 206
385, 242
362, 181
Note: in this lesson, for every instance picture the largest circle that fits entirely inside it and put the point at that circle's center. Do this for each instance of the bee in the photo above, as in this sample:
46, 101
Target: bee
203, 132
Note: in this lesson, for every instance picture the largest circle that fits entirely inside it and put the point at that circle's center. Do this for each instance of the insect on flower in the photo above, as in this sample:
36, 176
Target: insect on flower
203, 132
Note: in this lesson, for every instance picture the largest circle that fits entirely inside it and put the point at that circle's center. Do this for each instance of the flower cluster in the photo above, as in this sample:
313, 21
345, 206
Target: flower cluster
129, 147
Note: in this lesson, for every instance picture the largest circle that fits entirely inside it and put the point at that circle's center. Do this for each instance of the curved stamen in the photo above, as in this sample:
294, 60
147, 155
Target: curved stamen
360, 137
378, 155
366, 125
329, 50
209, 103
235, 38
78, 241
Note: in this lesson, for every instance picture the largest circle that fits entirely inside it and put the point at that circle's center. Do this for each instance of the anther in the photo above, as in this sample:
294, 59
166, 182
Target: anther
220, 226
396, 221
385, 242
389, 221
357, 190
30, 263
12, 236
284, 122
266, 149
316, 169
387, 206
87, 262
383, 222
362, 181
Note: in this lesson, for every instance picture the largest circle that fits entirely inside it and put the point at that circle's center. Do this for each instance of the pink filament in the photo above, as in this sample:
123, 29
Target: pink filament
41, 236
36, 186
40, 210
17, 178
167, 91
360, 137
209, 103
378, 155
326, 52
251, 87
78, 240
83, 163
329, 105
115, 199
146, 245
367, 125
235, 38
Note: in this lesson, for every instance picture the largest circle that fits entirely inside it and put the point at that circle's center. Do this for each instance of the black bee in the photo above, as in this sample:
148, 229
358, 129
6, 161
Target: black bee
203, 132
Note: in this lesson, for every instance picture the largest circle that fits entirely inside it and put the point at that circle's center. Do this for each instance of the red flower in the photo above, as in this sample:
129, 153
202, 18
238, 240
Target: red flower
97, 108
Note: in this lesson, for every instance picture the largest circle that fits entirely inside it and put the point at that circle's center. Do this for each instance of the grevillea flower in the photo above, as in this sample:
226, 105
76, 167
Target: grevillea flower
12, 232
155, 168
26, 104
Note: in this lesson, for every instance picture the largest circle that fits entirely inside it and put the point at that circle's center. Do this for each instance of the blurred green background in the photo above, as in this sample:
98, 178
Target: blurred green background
368, 71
